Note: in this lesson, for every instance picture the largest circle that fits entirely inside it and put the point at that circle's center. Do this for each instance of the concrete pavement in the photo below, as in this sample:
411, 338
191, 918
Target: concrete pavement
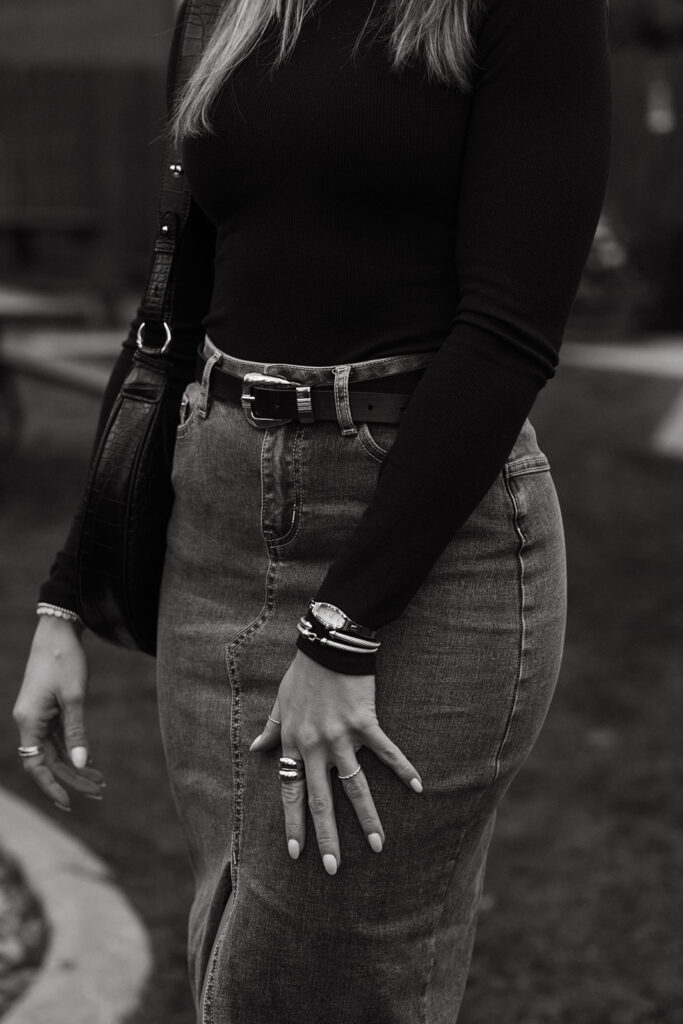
99, 956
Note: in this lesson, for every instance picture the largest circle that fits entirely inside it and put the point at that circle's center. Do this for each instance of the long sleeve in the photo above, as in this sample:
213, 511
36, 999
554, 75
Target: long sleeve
532, 185
192, 297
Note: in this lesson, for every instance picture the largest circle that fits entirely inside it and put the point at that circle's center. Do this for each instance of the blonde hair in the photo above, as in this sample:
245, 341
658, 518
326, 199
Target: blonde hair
440, 32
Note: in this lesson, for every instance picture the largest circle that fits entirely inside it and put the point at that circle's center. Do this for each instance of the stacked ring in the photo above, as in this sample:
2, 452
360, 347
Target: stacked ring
354, 772
291, 769
30, 751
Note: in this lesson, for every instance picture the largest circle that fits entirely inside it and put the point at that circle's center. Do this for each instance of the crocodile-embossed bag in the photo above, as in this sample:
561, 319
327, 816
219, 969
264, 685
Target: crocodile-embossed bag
128, 497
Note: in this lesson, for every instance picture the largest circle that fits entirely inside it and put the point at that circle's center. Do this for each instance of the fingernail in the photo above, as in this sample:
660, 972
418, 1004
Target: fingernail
94, 796
416, 785
256, 741
330, 864
293, 848
102, 785
62, 807
375, 841
79, 756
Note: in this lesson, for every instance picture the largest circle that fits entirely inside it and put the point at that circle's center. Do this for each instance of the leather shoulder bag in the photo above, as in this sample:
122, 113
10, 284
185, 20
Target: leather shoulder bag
128, 498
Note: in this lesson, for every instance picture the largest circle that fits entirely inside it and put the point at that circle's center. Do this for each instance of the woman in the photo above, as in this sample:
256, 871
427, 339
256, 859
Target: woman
392, 206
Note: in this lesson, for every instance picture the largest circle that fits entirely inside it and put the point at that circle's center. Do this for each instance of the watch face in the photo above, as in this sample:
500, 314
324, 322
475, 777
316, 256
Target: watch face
329, 615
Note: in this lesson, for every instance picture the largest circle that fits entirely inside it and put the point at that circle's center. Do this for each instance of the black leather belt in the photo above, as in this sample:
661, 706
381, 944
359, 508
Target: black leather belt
270, 400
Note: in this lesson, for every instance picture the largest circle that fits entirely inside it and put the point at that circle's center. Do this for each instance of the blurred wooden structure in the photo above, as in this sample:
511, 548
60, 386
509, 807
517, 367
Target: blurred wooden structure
81, 119
78, 170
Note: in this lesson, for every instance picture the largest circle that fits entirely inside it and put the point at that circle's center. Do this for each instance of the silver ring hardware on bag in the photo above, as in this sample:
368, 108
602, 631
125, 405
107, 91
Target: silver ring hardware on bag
140, 341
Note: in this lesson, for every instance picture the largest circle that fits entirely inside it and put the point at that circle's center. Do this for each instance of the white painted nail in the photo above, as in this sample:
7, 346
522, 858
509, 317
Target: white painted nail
256, 741
293, 848
375, 841
79, 756
416, 785
330, 863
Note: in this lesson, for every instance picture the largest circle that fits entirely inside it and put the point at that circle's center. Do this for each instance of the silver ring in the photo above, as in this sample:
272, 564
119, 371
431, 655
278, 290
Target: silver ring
30, 751
291, 769
342, 777
274, 720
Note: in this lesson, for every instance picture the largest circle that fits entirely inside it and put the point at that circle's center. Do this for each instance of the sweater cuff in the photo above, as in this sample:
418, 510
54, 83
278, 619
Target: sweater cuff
339, 661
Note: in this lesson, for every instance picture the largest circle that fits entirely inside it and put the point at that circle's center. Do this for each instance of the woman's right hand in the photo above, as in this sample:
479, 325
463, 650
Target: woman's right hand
49, 712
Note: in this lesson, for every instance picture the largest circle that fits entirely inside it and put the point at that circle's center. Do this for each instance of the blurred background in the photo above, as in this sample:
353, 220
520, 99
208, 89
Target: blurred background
581, 920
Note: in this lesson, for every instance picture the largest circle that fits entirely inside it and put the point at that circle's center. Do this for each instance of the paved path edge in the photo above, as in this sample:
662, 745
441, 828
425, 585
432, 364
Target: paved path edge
99, 955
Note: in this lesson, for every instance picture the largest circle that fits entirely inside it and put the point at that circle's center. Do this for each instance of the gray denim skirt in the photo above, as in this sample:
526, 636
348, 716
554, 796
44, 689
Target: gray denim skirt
258, 517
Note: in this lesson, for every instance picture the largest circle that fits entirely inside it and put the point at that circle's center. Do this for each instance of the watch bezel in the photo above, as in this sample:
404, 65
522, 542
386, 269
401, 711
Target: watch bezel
336, 619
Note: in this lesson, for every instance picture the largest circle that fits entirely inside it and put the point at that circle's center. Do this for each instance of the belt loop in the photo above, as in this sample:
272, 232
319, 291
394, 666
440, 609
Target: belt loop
342, 401
203, 402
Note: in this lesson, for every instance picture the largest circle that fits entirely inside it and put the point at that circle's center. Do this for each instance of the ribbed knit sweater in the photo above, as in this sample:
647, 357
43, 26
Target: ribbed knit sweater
344, 211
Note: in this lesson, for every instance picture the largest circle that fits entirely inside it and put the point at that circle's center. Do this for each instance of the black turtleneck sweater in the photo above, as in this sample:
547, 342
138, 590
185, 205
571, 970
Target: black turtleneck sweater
344, 211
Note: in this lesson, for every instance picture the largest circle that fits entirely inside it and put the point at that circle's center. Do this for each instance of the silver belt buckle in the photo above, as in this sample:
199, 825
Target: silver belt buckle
303, 400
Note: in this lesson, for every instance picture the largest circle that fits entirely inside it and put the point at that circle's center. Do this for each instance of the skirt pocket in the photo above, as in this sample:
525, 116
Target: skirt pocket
376, 440
188, 409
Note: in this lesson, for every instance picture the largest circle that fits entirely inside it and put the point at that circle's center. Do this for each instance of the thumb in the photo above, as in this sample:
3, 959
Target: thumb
74, 731
270, 737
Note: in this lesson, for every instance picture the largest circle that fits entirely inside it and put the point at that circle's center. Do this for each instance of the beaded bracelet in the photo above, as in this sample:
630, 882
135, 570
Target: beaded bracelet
43, 608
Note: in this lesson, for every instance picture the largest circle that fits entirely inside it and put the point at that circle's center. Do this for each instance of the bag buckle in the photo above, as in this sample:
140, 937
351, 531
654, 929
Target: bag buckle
303, 400
147, 349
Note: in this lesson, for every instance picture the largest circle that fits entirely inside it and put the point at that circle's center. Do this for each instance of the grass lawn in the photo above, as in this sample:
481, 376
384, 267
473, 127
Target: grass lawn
582, 913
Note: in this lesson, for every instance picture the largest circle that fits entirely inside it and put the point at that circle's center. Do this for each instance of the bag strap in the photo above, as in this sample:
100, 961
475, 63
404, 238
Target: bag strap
197, 20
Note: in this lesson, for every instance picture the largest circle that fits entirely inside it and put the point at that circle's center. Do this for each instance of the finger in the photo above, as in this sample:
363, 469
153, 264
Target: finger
294, 805
47, 782
377, 740
56, 737
69, 776
321, 806
74, 729
39, 771
270, 736
62, 757
86, 781
94, 774
358, 791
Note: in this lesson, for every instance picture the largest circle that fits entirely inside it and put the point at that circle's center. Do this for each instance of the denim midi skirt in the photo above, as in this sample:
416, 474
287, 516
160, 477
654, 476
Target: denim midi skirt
464, 681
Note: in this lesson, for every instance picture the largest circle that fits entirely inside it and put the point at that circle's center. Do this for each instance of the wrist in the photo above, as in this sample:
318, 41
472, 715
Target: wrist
329, 626
53, 619
338, 661
332, 639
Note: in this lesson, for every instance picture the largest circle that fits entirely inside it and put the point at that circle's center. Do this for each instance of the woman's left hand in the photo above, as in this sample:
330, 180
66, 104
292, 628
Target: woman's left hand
325, 718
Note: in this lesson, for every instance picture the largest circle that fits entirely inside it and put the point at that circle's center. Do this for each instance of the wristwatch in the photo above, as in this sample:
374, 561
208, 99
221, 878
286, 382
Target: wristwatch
334, 618
326, 624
